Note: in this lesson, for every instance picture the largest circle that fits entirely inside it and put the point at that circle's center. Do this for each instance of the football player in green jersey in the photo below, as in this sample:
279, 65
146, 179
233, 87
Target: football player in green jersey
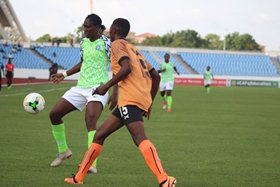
207, 76
93, 68
167, 81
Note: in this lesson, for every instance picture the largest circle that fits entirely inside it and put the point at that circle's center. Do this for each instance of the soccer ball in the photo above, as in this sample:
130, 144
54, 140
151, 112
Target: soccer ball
34, 103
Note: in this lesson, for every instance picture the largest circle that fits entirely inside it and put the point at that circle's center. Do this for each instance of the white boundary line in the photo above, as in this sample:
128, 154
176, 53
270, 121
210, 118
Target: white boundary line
39, 91
35, 83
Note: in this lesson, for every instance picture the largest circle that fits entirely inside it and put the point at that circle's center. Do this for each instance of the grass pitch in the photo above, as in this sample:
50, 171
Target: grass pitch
227, 138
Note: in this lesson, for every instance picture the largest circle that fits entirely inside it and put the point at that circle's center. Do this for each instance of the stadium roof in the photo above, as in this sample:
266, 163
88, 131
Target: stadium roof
10, 27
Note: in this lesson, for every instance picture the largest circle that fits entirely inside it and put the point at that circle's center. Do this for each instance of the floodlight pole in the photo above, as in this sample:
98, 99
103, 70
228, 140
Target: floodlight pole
90, 6
225, 43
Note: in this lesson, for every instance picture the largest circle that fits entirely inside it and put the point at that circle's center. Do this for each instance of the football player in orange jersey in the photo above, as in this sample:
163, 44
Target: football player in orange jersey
138, 84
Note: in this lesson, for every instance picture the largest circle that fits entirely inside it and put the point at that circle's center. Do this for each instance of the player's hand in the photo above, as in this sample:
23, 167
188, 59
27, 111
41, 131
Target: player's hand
56, 78
112, 102
101, 90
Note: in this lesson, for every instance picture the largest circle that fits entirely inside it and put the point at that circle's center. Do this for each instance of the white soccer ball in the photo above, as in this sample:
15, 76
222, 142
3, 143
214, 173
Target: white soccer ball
34, 103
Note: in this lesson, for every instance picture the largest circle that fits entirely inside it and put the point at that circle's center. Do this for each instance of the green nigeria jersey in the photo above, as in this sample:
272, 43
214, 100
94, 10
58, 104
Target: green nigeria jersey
167, 75
207, 75
95, 60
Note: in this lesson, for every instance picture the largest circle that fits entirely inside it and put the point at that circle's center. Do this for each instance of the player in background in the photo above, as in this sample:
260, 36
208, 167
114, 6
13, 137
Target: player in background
167, 81
93, 68
138, 85
53, 70
9, 72
207, 76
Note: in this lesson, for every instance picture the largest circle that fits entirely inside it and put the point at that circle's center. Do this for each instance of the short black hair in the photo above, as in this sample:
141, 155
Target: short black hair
94, 19
122, 26
167, 54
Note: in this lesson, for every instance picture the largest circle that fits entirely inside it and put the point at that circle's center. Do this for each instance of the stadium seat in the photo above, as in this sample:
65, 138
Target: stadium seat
231, 64
181, 69
65, 57
24, 58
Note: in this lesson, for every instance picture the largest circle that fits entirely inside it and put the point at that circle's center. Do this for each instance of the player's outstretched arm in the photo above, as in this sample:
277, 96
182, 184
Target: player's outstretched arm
176, 70
155, 84
58, 77
74, 69
113, 99
161, 70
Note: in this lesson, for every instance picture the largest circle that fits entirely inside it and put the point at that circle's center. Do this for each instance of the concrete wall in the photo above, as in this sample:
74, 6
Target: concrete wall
44, 74
38, 74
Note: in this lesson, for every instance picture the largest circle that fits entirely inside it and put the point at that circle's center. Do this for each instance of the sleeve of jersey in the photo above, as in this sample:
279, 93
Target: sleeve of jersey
161, 65
107, 43
118, 50
81, 51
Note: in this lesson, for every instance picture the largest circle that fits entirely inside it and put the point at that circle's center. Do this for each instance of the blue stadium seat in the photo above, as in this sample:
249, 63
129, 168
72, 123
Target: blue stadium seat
231, 64
150, 59
24, 58
64, 56
181, 69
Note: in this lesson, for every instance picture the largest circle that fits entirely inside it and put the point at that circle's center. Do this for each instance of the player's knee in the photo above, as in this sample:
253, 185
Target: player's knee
54, 117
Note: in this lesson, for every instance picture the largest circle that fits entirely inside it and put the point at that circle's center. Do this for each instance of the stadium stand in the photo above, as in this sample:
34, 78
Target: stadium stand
22, 57
150, 59
181, 69
228, 64
65, 57
231, 64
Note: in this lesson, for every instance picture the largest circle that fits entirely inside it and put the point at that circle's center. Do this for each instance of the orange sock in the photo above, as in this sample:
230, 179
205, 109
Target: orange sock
151, 157
89, 157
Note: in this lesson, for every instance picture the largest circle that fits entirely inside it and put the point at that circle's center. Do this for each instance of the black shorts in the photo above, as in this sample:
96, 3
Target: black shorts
9, 74
128, 114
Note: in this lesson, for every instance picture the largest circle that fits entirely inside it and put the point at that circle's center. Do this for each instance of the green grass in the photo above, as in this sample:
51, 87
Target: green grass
227, 138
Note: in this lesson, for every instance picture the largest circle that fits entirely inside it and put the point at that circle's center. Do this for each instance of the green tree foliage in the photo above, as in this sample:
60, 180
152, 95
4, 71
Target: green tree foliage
185, 38
192, 39
65, 39
152, 41
60, 39
167, 39
79, 33
214, 41
188, 38
244, 42
44, 38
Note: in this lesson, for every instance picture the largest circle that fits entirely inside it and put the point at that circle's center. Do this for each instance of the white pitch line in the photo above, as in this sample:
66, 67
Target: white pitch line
41, 91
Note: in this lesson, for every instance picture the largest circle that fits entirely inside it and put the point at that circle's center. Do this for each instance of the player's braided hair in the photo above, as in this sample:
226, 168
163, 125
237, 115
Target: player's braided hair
96, 21
122, 26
